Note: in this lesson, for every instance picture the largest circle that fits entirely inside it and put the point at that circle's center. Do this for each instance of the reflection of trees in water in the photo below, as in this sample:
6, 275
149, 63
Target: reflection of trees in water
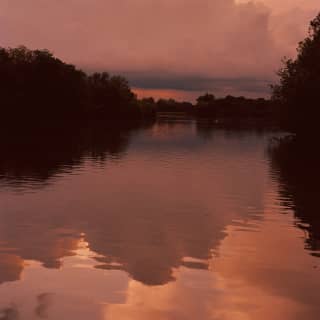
296, 165
146, 237
147, 252
33, 160
39, 156
239, 129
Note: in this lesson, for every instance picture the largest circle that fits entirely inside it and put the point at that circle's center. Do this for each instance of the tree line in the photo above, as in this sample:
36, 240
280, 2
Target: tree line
295, 100
36, 87
209, 106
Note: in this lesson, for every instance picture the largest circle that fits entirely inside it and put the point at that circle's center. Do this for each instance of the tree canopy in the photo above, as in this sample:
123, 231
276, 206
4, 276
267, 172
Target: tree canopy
36, 87
298, 92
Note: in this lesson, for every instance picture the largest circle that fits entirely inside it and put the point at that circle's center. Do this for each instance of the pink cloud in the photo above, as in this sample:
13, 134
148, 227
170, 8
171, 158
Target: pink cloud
217, 38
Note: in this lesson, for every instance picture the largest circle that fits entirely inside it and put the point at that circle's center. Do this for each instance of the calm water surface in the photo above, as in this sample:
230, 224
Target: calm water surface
173, 221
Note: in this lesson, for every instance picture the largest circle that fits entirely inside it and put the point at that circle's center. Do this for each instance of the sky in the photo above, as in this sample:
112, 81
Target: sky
181, 47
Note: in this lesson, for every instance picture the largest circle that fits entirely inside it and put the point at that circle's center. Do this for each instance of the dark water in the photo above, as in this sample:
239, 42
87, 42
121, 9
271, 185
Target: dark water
173, 221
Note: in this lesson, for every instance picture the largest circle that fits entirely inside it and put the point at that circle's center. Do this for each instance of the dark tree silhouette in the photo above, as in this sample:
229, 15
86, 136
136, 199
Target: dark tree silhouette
112, 96
37, 88
206, 99
148, 107
231, 107
298, 93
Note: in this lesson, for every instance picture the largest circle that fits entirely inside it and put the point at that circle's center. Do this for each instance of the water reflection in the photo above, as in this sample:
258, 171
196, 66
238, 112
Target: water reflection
296, 165
143, 215
176, 221
33, 159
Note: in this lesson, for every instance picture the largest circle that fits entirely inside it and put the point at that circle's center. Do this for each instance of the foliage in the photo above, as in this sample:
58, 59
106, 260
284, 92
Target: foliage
171, 105
298, 93
233, 107
206, 99
36, 87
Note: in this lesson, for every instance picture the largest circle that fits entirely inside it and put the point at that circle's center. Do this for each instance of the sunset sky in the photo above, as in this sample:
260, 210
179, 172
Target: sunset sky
183, 47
